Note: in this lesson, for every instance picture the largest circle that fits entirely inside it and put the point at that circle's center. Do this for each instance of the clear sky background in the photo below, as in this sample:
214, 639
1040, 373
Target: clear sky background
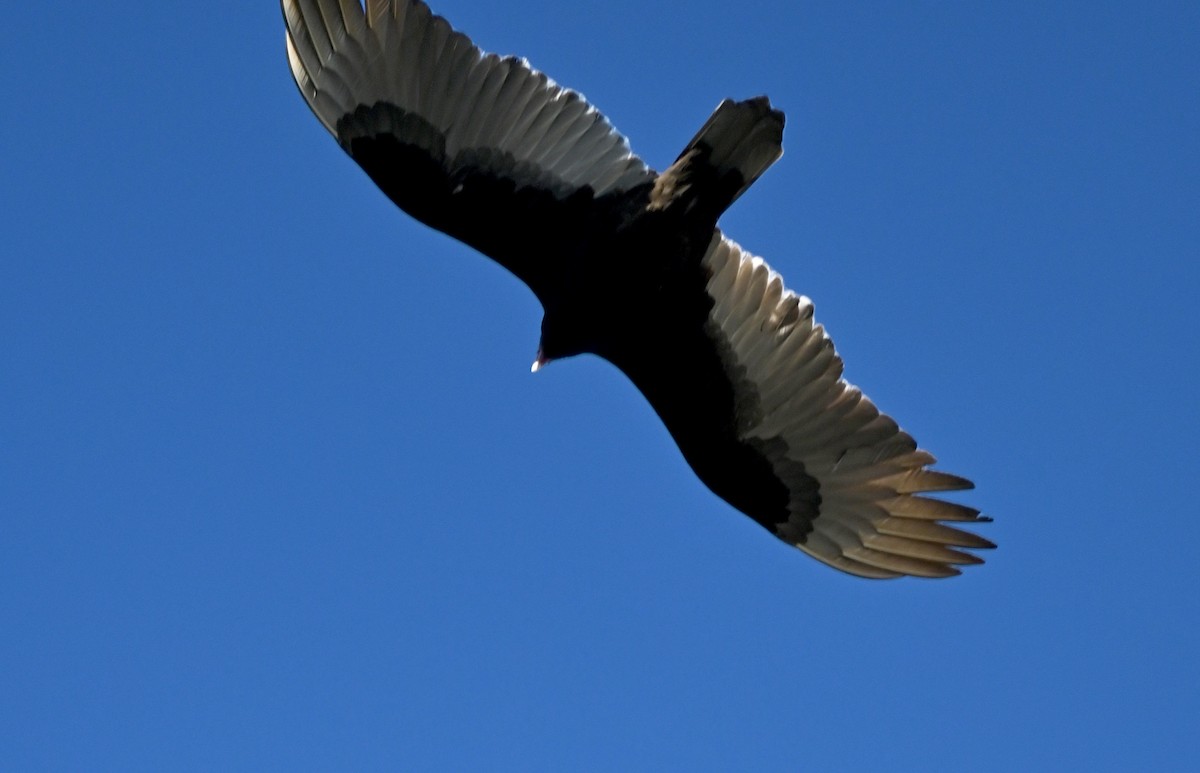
277, 489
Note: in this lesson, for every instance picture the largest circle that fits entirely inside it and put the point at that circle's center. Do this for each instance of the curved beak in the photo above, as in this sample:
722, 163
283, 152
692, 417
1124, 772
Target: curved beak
539, 362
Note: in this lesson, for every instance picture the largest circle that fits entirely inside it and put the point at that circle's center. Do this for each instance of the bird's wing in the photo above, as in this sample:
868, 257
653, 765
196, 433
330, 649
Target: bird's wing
869, 516
479, 146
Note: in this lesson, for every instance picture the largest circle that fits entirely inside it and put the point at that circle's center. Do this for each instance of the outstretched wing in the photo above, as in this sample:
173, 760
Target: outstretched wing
855, 480
482, 147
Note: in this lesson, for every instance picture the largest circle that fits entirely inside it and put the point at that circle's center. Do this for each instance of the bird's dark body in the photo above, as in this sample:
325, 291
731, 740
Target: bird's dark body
619, 276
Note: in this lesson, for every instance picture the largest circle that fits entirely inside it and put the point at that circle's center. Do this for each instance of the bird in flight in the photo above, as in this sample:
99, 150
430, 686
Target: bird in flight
629, 265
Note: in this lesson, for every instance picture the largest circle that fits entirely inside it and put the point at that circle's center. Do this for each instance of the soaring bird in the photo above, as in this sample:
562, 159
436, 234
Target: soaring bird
629, 265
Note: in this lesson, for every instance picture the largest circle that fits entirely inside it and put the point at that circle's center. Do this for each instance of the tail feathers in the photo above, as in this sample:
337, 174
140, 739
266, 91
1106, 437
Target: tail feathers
733, 148
744, 137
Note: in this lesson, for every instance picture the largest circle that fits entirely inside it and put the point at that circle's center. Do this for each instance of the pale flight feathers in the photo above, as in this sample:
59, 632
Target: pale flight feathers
491, 111
871, 521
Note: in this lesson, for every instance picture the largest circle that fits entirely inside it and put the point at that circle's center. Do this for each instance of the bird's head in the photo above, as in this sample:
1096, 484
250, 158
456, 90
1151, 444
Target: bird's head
566, 332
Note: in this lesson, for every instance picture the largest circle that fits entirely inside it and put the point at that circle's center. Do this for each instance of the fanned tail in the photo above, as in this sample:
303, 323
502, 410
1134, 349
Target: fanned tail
733, 148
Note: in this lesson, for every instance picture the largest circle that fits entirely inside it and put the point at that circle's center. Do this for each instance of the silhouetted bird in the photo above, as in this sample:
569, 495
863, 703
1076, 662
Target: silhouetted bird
629, 265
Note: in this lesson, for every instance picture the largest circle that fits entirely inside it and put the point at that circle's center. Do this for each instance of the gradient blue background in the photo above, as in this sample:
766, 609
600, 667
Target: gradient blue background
277, 489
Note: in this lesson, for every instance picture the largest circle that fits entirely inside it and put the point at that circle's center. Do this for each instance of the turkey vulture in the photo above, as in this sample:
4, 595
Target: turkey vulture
629, 265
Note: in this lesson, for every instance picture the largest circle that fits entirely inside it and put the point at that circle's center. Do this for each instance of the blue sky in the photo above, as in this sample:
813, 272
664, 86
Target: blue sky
277, 489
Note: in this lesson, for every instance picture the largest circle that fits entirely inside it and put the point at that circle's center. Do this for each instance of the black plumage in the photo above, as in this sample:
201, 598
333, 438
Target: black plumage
629, 265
